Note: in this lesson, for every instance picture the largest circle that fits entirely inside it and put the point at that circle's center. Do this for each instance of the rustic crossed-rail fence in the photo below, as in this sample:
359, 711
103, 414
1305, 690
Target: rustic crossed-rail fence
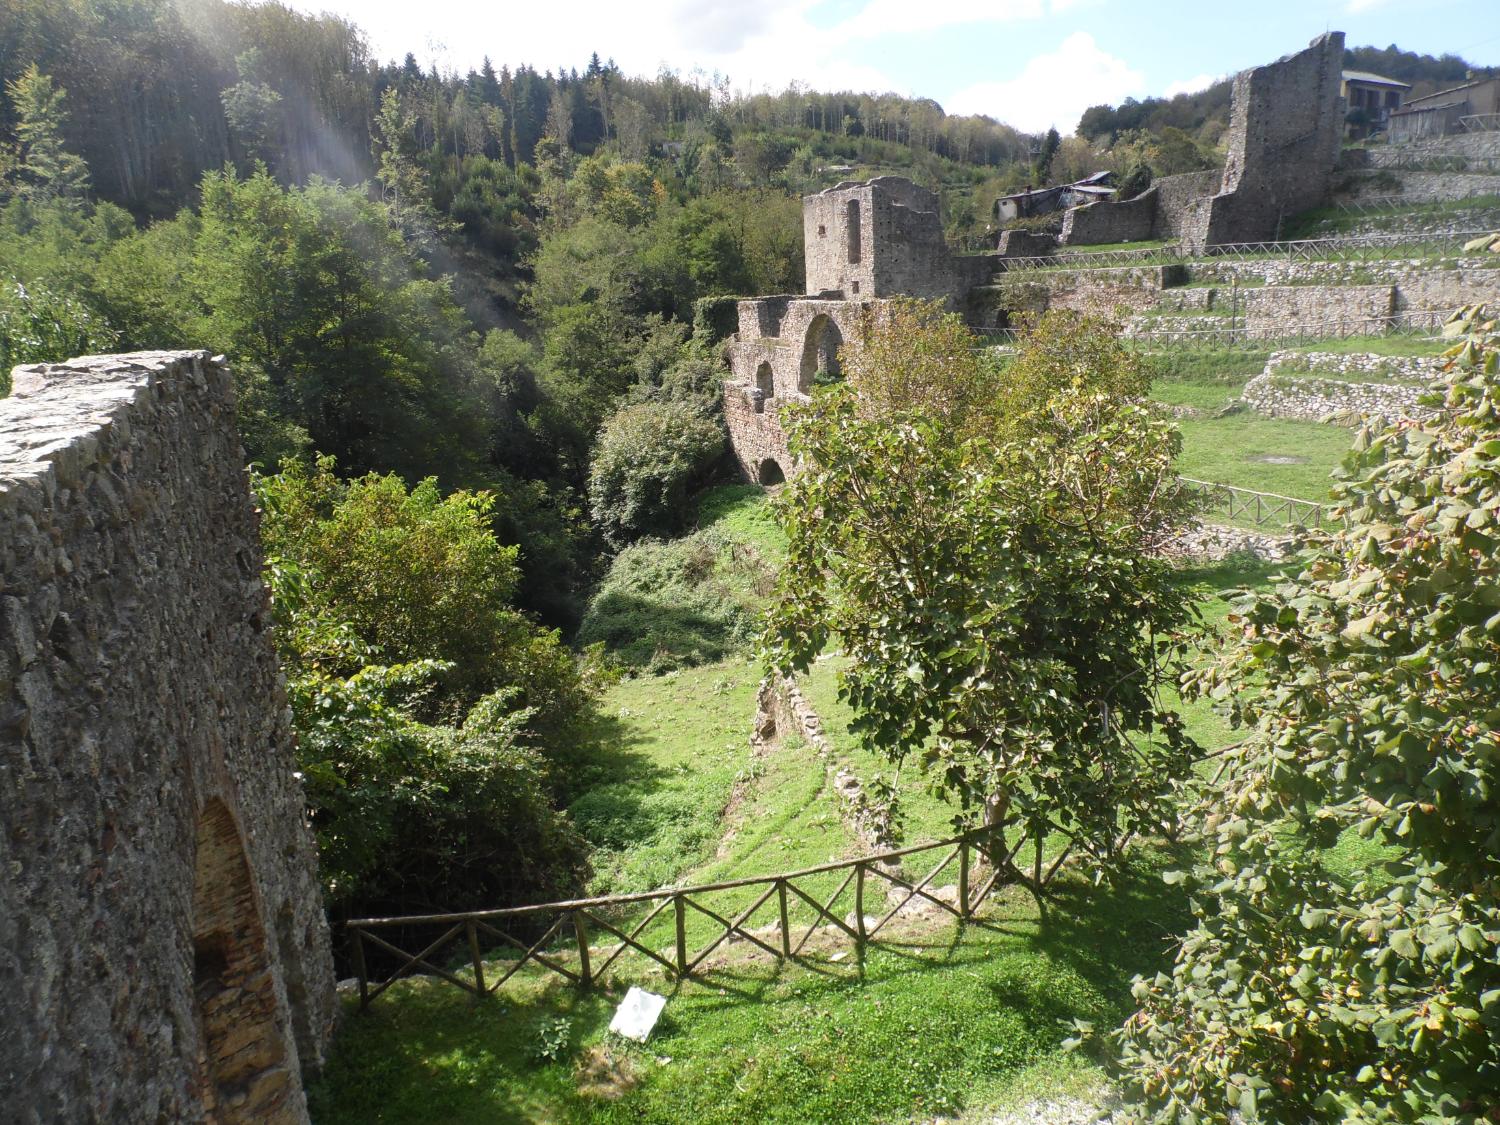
559, 936
1261, 509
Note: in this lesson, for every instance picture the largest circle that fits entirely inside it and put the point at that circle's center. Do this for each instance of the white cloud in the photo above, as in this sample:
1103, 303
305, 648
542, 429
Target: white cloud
1053, 89
899, 17
1190, 85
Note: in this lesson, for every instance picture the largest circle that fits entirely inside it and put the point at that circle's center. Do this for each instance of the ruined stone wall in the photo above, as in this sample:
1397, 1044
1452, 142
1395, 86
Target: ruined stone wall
1026, 244
756, 435
830, 240
1285, 132
883, 238
163, 949
1182, 202
1128, 220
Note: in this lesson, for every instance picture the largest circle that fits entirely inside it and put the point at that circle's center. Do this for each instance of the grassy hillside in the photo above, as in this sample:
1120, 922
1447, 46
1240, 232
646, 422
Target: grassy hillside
945, 1021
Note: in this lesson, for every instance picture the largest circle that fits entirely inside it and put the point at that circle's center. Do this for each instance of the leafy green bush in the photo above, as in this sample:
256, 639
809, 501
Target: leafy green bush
1371, 689
649, 458
411, 816
417, 576
40, 325
685, 602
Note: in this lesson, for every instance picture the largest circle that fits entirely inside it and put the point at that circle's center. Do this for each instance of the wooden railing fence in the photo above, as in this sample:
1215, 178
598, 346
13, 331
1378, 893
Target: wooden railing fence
457, 954
1262, 509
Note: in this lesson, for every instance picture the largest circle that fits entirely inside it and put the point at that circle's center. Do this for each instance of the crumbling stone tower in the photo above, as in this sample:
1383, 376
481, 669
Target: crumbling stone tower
882, 238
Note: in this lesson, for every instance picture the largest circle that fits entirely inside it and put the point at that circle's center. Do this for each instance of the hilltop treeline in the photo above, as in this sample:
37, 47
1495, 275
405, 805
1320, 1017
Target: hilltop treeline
163, 91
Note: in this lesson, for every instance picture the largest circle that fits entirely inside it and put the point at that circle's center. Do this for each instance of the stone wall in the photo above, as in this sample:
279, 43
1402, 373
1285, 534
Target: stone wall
1285, 132
1114, 291
1471, 149
883, 238
1181, 202
1125, 220
163, 949
757, 440
1369, 365
1171, 208
1312, 399
1427, 186
1337, 310
1025, 244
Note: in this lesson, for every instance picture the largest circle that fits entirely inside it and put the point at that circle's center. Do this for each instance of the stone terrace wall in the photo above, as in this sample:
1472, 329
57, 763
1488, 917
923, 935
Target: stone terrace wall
163, 950
1104, 292
1312, 399
1339, 310
1477, 149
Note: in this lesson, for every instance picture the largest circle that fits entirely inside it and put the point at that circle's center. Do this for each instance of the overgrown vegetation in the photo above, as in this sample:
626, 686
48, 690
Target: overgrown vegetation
1368, 690
438, 729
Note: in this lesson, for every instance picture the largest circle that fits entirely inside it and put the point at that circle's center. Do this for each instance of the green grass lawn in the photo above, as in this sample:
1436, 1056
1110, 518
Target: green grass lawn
1278, 455
1396, 344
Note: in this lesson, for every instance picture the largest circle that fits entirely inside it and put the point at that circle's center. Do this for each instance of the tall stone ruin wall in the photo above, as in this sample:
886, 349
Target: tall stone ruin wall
163, 949
1285, 130
1285, 133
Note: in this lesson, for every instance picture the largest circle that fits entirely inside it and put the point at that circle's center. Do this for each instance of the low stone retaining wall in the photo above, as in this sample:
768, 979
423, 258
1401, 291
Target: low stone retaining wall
781, 709
1412, 368
1211, 542
1312, 399
1477, 149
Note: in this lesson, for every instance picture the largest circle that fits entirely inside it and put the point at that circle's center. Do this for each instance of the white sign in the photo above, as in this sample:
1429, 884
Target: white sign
637, 1014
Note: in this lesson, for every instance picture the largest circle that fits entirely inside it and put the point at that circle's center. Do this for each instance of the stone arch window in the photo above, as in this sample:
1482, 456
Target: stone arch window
765, 383
770, 473
851, 224
820, 353
244, 1068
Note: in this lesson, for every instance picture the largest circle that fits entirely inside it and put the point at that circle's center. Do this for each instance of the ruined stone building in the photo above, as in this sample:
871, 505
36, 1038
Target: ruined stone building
862, 242
164, 954
865, 242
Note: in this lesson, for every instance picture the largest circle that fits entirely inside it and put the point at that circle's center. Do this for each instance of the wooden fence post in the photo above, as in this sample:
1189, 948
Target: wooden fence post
473, 935
681, 910
963, 879
859, 907
585, 978
786, 933
359, 969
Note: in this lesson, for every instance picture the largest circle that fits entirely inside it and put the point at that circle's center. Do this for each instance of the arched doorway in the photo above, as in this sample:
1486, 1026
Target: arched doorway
765, 383
820, 353
770, 473
246, 1075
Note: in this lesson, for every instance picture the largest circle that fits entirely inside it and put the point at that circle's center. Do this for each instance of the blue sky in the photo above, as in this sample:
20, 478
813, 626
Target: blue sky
1033, 63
